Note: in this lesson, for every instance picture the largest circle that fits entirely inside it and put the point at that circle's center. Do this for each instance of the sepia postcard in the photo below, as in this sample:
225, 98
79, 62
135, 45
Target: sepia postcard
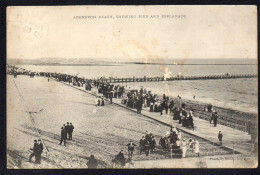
164, 86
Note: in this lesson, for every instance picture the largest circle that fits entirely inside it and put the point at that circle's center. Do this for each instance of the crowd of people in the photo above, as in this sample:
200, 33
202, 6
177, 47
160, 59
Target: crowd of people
172, 142
137, 99
147, 143
142, 98
178, 144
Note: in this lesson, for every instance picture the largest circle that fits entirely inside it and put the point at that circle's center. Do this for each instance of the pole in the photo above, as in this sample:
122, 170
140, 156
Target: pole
31, 119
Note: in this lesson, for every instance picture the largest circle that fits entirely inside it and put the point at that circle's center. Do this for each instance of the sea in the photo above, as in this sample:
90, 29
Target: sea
238, 94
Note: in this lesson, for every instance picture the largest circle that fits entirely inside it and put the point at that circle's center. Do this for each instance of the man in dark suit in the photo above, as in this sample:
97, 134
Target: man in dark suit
220, 136
212, 117
141, 144
215, 119
63, 136
162, 142
35, 146
166, 106
71, 128
110, 97
131, 147
38, 155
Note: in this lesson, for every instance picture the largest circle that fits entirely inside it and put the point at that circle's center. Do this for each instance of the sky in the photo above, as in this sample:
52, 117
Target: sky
202, 32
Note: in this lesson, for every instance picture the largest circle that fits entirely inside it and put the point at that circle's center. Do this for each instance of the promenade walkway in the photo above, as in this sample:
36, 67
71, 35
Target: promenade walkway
233, 139
229, 161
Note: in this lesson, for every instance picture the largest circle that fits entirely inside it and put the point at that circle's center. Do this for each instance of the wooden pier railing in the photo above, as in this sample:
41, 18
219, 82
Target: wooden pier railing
176, 78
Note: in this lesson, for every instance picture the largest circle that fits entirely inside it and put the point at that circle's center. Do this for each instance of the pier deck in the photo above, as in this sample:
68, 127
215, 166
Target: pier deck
175, 78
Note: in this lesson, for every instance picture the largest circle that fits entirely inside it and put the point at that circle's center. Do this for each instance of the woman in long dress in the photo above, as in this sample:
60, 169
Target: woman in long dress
184, 148
197, 148
151, 107
96, 101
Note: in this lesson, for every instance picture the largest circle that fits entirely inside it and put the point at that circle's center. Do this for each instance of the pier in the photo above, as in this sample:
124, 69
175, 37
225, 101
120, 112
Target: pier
175, 78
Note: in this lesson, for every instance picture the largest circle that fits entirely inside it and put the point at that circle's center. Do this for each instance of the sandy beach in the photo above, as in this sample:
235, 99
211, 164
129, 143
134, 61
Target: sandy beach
102, 131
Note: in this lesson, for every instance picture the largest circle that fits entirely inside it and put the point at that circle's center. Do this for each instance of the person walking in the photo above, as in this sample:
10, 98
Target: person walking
138, 107
212, 117
131, 147
38, 155
111, 97
184, 148
92, 163
34, 149
161, 109
71, 128
63, 136
215, 119
197, 148
220, 136
166, 107
67, 129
